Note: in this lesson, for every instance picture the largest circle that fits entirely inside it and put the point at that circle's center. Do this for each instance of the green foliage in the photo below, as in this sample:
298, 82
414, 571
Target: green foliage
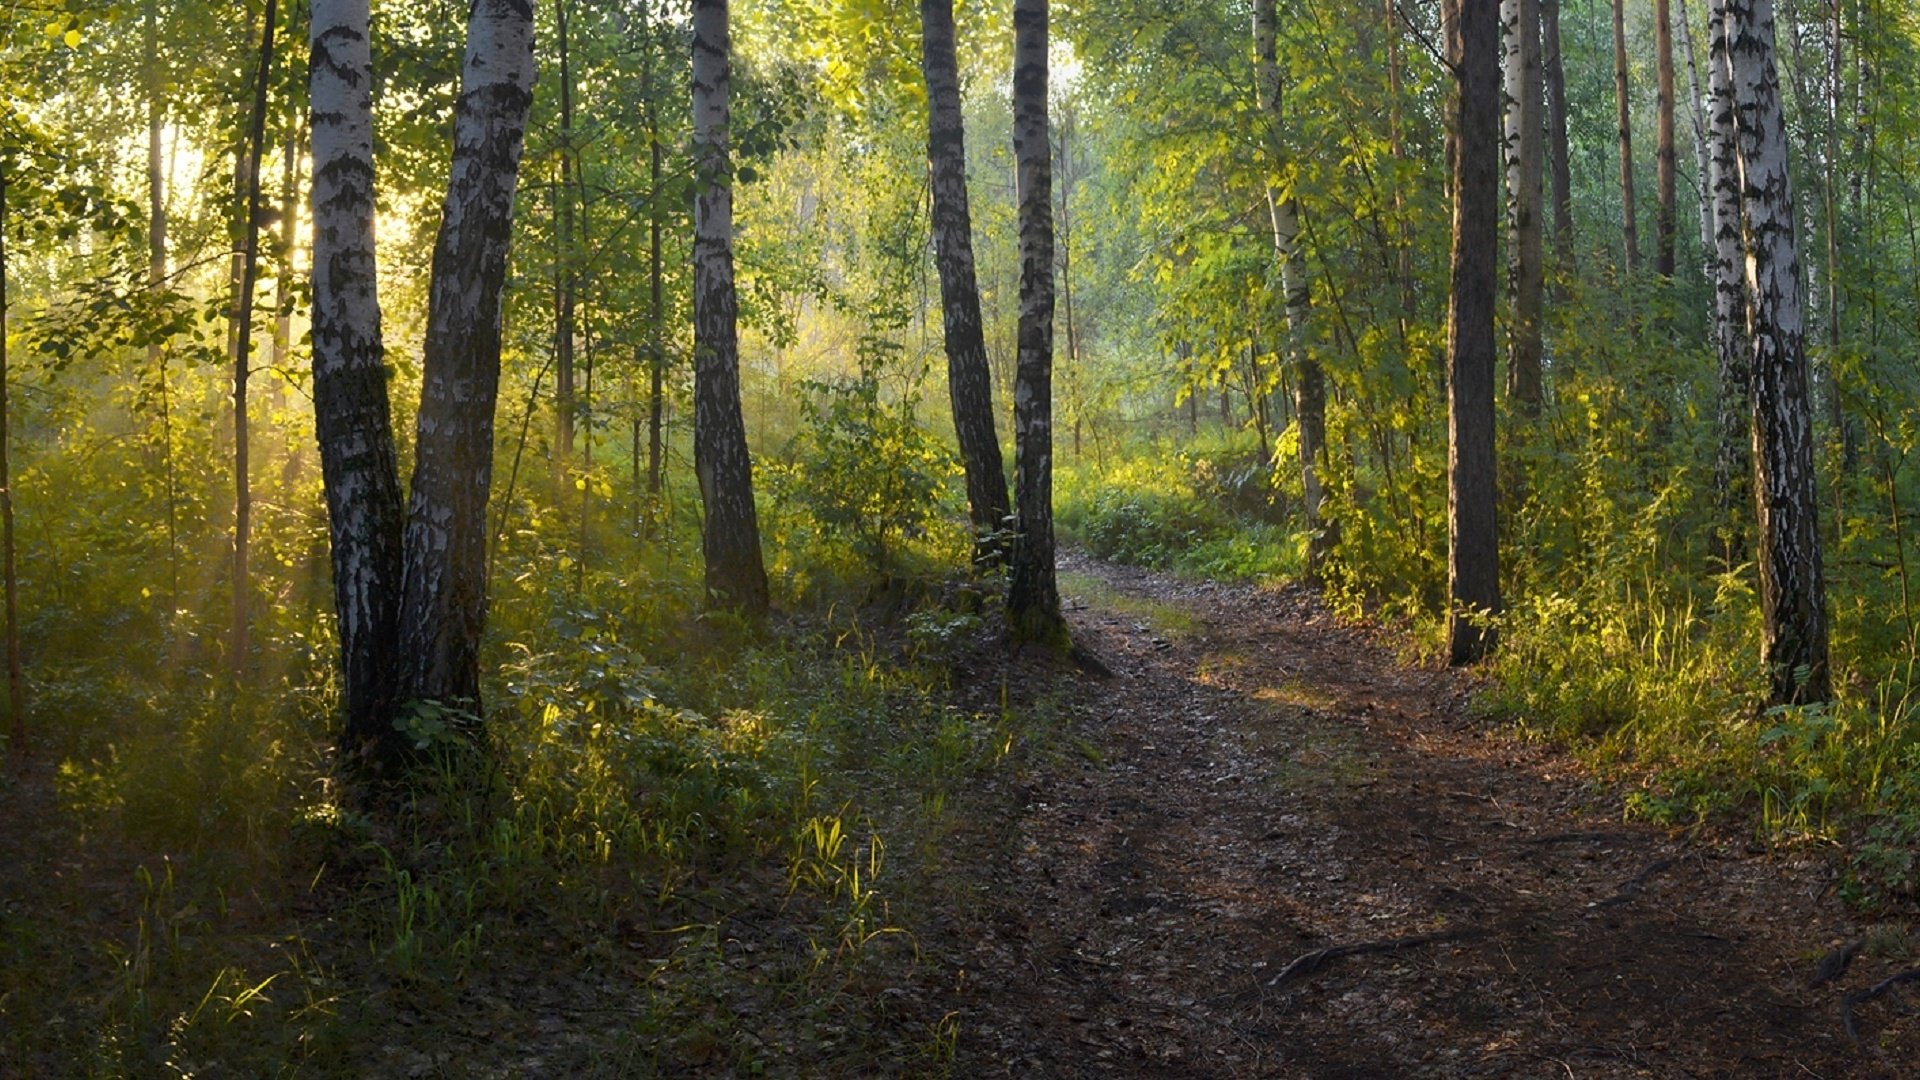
1203, 512
862, 468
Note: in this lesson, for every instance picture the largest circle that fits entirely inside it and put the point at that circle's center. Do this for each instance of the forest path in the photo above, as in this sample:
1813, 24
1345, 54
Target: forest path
1262, 782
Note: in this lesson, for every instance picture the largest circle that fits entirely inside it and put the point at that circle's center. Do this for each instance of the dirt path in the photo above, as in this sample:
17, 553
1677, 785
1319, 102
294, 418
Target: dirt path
1262, 783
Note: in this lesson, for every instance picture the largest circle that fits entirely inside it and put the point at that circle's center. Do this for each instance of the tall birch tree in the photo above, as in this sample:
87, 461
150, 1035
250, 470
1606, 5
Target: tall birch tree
1792, 589
444, 591
969, 382
736, 576
1733, 457
1520, 23
1033, 594
365, 510
1283, 209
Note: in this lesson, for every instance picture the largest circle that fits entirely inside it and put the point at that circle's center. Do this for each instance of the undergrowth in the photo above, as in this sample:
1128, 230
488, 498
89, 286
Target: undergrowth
686, 843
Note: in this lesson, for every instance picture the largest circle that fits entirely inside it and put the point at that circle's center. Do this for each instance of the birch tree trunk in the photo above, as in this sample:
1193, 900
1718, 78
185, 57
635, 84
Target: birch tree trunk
1792, 593
736, 576
1666, 215
365, 512
1623, 113
1702, 157
1520, 21
238, 642
1553, 70
969, 382
444, 596
1310, 386
1733, 459
1033, 595
1473, 46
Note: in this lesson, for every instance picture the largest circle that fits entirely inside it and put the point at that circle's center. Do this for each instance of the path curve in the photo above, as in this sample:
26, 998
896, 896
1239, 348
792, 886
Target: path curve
1286, 854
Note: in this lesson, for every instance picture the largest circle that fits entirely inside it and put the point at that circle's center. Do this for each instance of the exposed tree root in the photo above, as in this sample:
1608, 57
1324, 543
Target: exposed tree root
1632, 887
1877, 990
1319, 959
1834, 964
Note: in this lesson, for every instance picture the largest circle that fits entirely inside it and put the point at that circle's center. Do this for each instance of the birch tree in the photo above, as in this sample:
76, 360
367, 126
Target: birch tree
1733, 457
444, 590
969, 382
1310, 385
1473, 43
735, 575
1792, 592
1520, 22
365, 511
1033, 595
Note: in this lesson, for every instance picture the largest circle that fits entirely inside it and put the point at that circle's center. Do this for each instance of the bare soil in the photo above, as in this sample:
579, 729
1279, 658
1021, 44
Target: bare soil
1284, 853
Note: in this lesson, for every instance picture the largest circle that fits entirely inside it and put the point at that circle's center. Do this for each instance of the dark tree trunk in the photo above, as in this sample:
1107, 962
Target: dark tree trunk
243, 351
1666, 215
1033, 596
565, 290
969, 382
156, 277
444, 602
365, 511
1623, 114
1792, 593
1733, 459
1526, 273
1553, 69
736, 576
1473, 45
16, 682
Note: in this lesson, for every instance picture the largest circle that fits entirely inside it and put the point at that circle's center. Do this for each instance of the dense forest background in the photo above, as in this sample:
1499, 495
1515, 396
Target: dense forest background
643, 750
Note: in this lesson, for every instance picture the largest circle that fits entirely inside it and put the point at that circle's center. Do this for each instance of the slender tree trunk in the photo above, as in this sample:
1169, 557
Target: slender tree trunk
1033, 596
564, 286
1702, 158
1553, 70
16, 680
1310, 386
657, 325
656, 295
1473, 45
969, 383
1396, 145
156, 278
358, 464
1792, 592
1524, 136
1666, 217
1629, 229
1733, 460
243, 351
736, 576
1836, 404
444, 598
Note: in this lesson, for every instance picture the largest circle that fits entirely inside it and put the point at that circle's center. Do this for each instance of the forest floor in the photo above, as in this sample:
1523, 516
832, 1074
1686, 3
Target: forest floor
1284, 852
